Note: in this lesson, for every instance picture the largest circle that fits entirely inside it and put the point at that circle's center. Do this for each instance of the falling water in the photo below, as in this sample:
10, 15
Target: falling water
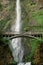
17, 50
15, 45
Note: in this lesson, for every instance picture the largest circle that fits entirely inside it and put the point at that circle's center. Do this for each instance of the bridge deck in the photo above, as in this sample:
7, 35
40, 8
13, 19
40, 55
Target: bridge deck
10, 34
30, 33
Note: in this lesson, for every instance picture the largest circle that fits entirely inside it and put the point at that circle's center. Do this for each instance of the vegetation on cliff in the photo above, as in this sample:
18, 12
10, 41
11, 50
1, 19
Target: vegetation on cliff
32, 20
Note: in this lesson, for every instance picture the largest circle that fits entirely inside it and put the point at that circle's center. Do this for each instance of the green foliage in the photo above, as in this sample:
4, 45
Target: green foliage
1, 7
11, 7
3, 23
3, 40
35, 15
34, 45
13, 63
38, 15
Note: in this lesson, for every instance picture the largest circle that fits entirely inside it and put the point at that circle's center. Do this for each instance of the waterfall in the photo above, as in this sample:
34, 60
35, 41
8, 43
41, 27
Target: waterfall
16, 46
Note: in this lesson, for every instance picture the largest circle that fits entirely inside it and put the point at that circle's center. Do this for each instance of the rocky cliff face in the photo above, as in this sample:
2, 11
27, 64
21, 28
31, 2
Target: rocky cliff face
38, 56
7, 13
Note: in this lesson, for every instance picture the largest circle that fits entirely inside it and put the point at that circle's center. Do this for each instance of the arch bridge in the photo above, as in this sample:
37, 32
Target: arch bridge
35, 35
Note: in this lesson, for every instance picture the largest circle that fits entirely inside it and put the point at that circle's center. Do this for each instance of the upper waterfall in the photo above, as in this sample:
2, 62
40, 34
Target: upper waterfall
18, 17
17, 25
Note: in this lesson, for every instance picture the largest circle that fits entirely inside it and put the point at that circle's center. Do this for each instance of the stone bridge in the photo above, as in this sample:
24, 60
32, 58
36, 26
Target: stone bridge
35, 35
